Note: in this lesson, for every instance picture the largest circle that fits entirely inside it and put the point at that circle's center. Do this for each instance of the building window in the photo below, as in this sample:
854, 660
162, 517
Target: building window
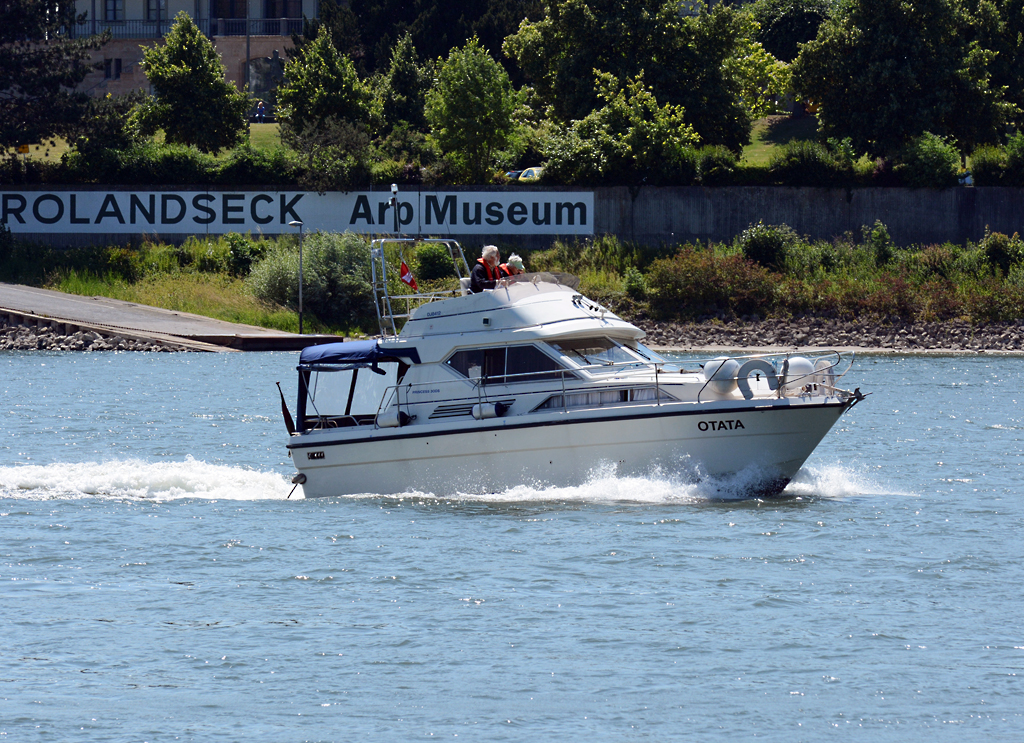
113, 10
112, 69
229, 8
151, 10
282, 8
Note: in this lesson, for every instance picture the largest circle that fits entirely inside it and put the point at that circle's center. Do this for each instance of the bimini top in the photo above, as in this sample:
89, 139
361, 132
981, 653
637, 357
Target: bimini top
353, 352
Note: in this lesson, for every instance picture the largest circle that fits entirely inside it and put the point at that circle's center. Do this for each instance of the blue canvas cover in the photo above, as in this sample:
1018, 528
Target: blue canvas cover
353, 352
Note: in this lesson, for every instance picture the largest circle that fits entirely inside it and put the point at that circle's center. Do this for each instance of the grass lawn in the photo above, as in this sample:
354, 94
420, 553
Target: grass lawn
49, 151
265, 136
211, 295
261, 136
772, 131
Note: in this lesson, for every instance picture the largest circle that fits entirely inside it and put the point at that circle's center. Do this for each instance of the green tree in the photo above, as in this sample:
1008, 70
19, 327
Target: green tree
368, 30
320, 84
401, 90
883, 72
784, 24
41, 65
192, 102
1000, 25
761, 79
688, 61
470, 109
339, 22
631, 139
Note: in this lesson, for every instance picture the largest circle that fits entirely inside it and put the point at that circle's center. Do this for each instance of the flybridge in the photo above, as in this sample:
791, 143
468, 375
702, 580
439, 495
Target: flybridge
117, 211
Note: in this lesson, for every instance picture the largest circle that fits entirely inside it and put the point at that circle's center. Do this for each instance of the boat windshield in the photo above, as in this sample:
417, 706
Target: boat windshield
596, 352
354, 392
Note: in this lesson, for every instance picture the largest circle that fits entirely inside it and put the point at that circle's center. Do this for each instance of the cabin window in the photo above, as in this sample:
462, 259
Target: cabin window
601, 398
505, 365
594, 351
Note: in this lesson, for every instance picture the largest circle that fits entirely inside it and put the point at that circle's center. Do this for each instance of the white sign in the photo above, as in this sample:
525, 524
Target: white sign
269, 212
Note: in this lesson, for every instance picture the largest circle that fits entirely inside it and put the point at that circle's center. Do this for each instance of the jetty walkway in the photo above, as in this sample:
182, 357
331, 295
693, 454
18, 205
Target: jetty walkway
71, 313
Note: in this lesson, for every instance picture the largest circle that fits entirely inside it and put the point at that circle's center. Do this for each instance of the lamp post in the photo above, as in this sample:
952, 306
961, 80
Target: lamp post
393, 202
297, 223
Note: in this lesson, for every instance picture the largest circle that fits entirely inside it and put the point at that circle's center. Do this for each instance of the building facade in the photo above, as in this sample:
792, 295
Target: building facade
241, 30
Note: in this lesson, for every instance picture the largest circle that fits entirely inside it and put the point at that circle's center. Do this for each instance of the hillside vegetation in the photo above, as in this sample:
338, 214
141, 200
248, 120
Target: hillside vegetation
766, 272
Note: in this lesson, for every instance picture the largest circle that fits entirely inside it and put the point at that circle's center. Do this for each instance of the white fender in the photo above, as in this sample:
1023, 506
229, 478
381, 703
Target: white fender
488, 410
720, 374
799, 374
825, 375
393, 418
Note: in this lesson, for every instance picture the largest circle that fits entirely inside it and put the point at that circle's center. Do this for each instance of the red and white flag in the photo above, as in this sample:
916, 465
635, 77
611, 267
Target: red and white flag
407, 277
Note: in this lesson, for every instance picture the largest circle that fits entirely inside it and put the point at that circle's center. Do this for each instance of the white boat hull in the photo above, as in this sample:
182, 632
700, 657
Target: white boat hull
568, 448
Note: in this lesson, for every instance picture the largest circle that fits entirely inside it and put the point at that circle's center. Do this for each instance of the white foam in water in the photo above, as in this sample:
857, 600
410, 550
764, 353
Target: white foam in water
136, 479
604, 486
163, 481
834, 481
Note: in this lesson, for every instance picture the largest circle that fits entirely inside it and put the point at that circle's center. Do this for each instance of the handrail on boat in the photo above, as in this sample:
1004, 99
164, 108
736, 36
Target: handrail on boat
784, 378
391, 396
386, 315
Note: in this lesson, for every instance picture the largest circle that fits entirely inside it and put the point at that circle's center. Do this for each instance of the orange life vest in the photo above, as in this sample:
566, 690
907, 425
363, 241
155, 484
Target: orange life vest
493, 274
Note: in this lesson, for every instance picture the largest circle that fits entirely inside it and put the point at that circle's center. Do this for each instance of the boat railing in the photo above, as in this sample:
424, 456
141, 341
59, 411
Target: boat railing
400, 396
784, 377
495, 388
382, 296
490, 389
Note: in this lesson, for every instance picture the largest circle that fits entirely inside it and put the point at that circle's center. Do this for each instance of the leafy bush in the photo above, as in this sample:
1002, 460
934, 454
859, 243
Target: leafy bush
716, 166
697, 282
205, 254
433, 262
1003, 252
387, 171
928, 162
767, 244
243, 252
634, 284
988, 166
877, 238
1015, 161
145, 164
603, 253
256, 167
336, 278
803, 163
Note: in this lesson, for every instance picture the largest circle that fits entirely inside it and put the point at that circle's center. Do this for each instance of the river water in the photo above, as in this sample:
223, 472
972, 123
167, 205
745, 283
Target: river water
157, 585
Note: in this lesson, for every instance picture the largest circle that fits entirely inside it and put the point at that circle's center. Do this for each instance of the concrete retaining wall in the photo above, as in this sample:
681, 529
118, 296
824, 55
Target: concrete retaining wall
694, 214
913, 216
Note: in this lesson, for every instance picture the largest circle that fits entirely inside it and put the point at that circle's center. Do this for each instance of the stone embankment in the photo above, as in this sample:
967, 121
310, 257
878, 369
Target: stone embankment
14, 337
897, 337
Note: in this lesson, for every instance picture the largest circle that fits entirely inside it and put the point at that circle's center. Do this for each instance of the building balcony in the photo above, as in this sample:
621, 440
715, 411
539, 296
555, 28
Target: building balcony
139, 29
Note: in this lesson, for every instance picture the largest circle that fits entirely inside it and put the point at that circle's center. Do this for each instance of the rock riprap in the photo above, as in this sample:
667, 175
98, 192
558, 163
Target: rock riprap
930, 336
32, 337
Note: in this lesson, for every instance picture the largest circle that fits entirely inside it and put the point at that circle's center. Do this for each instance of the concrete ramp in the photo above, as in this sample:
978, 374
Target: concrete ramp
27, 304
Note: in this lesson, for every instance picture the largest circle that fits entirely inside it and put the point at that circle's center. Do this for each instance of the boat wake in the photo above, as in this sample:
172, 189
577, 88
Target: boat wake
134, 479
604, 486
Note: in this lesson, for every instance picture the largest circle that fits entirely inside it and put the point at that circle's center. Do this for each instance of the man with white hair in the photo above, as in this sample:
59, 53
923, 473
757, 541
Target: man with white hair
485, 273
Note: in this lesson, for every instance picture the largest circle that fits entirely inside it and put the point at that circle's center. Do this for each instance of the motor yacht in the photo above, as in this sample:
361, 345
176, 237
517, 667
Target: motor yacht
532, 383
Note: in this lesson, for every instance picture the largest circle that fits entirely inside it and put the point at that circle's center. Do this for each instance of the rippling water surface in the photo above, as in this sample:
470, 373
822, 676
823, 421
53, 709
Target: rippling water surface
156, 584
